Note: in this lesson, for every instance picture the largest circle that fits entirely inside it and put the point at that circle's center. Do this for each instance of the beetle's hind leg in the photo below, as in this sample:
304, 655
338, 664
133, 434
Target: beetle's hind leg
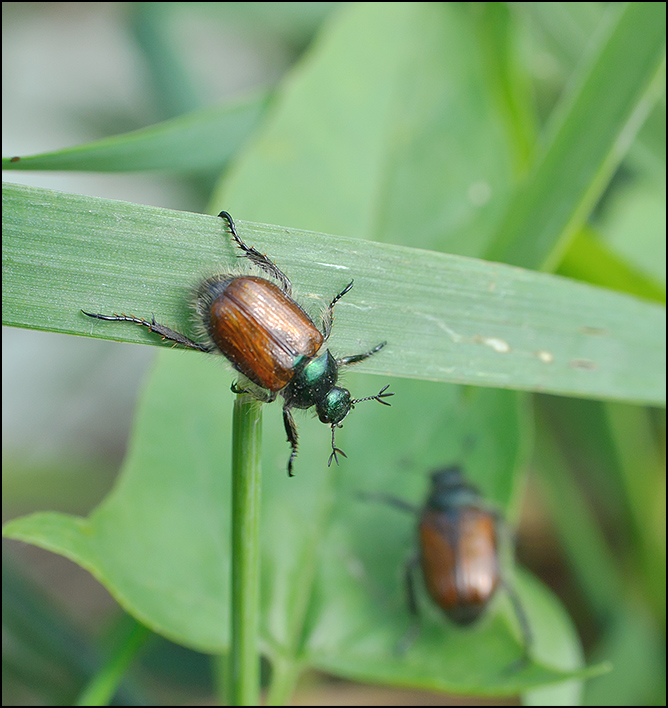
259, 259
389, 500
411, 635
328, 314
525, 628
153, 326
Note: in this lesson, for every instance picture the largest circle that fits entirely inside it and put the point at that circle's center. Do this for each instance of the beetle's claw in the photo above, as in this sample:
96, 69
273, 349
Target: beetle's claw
334, 456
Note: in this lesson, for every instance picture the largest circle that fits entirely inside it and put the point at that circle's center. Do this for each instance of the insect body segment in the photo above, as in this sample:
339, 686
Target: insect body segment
459, 558
258, 328
272, 341
458, 552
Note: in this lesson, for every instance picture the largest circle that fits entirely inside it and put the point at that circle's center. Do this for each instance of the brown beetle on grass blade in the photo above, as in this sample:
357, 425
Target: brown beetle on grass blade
272, 341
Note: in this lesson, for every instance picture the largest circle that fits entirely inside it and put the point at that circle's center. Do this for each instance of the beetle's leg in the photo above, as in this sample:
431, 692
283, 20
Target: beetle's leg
410, 586
328, 314
411, 635
507, 542
359, 357
525, 629
153, 326
291, 431
388, 499
260, 260
335, 450
258, 393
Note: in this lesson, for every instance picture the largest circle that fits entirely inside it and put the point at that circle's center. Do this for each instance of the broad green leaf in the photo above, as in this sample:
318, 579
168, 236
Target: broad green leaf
388, 130
197, 141
160, 541
446, 318
589, 133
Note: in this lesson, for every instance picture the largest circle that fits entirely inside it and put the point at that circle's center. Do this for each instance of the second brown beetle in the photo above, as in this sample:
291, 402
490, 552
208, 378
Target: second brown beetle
458, 552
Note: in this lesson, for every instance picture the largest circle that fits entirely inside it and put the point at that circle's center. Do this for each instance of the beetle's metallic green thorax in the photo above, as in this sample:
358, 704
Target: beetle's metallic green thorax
312, 381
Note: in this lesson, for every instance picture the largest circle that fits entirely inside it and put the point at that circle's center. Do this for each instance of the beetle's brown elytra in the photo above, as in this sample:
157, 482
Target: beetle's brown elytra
262, 331
459, 559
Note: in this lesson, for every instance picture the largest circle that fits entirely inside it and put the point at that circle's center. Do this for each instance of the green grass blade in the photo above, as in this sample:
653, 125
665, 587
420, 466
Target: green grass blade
446, 318
104, 685
566, 28
589, 259
197, 141
589, 134
174, 87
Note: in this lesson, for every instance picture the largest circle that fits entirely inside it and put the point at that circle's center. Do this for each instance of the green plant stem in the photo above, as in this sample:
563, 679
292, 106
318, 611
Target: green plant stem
284, 676
104, 684
246, 471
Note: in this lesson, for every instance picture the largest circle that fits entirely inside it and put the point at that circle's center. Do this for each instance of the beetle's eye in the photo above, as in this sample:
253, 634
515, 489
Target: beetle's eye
335, 406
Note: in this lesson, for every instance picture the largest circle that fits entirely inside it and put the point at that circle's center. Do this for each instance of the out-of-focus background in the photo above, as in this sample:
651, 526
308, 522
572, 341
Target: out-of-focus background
76, 72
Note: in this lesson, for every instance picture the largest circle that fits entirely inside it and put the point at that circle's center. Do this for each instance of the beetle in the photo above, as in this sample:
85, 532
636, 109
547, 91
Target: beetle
272, 341
459, 543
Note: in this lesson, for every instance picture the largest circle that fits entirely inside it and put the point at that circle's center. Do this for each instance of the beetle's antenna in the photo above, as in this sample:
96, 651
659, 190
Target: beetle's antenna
378, 397
335, 449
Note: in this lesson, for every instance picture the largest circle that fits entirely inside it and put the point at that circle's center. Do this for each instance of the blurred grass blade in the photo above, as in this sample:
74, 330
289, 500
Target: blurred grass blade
581, 536
589, 134
105, 684
508, 78
642, 473
445, 317
172, 82
197, 141
588, 258
566, 28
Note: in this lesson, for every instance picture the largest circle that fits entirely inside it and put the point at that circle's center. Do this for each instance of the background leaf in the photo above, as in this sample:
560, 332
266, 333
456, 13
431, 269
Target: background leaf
332, 595
197, 141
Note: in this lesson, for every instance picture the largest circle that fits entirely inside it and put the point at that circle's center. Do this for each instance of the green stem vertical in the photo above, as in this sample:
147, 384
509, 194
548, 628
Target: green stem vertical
246, 472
